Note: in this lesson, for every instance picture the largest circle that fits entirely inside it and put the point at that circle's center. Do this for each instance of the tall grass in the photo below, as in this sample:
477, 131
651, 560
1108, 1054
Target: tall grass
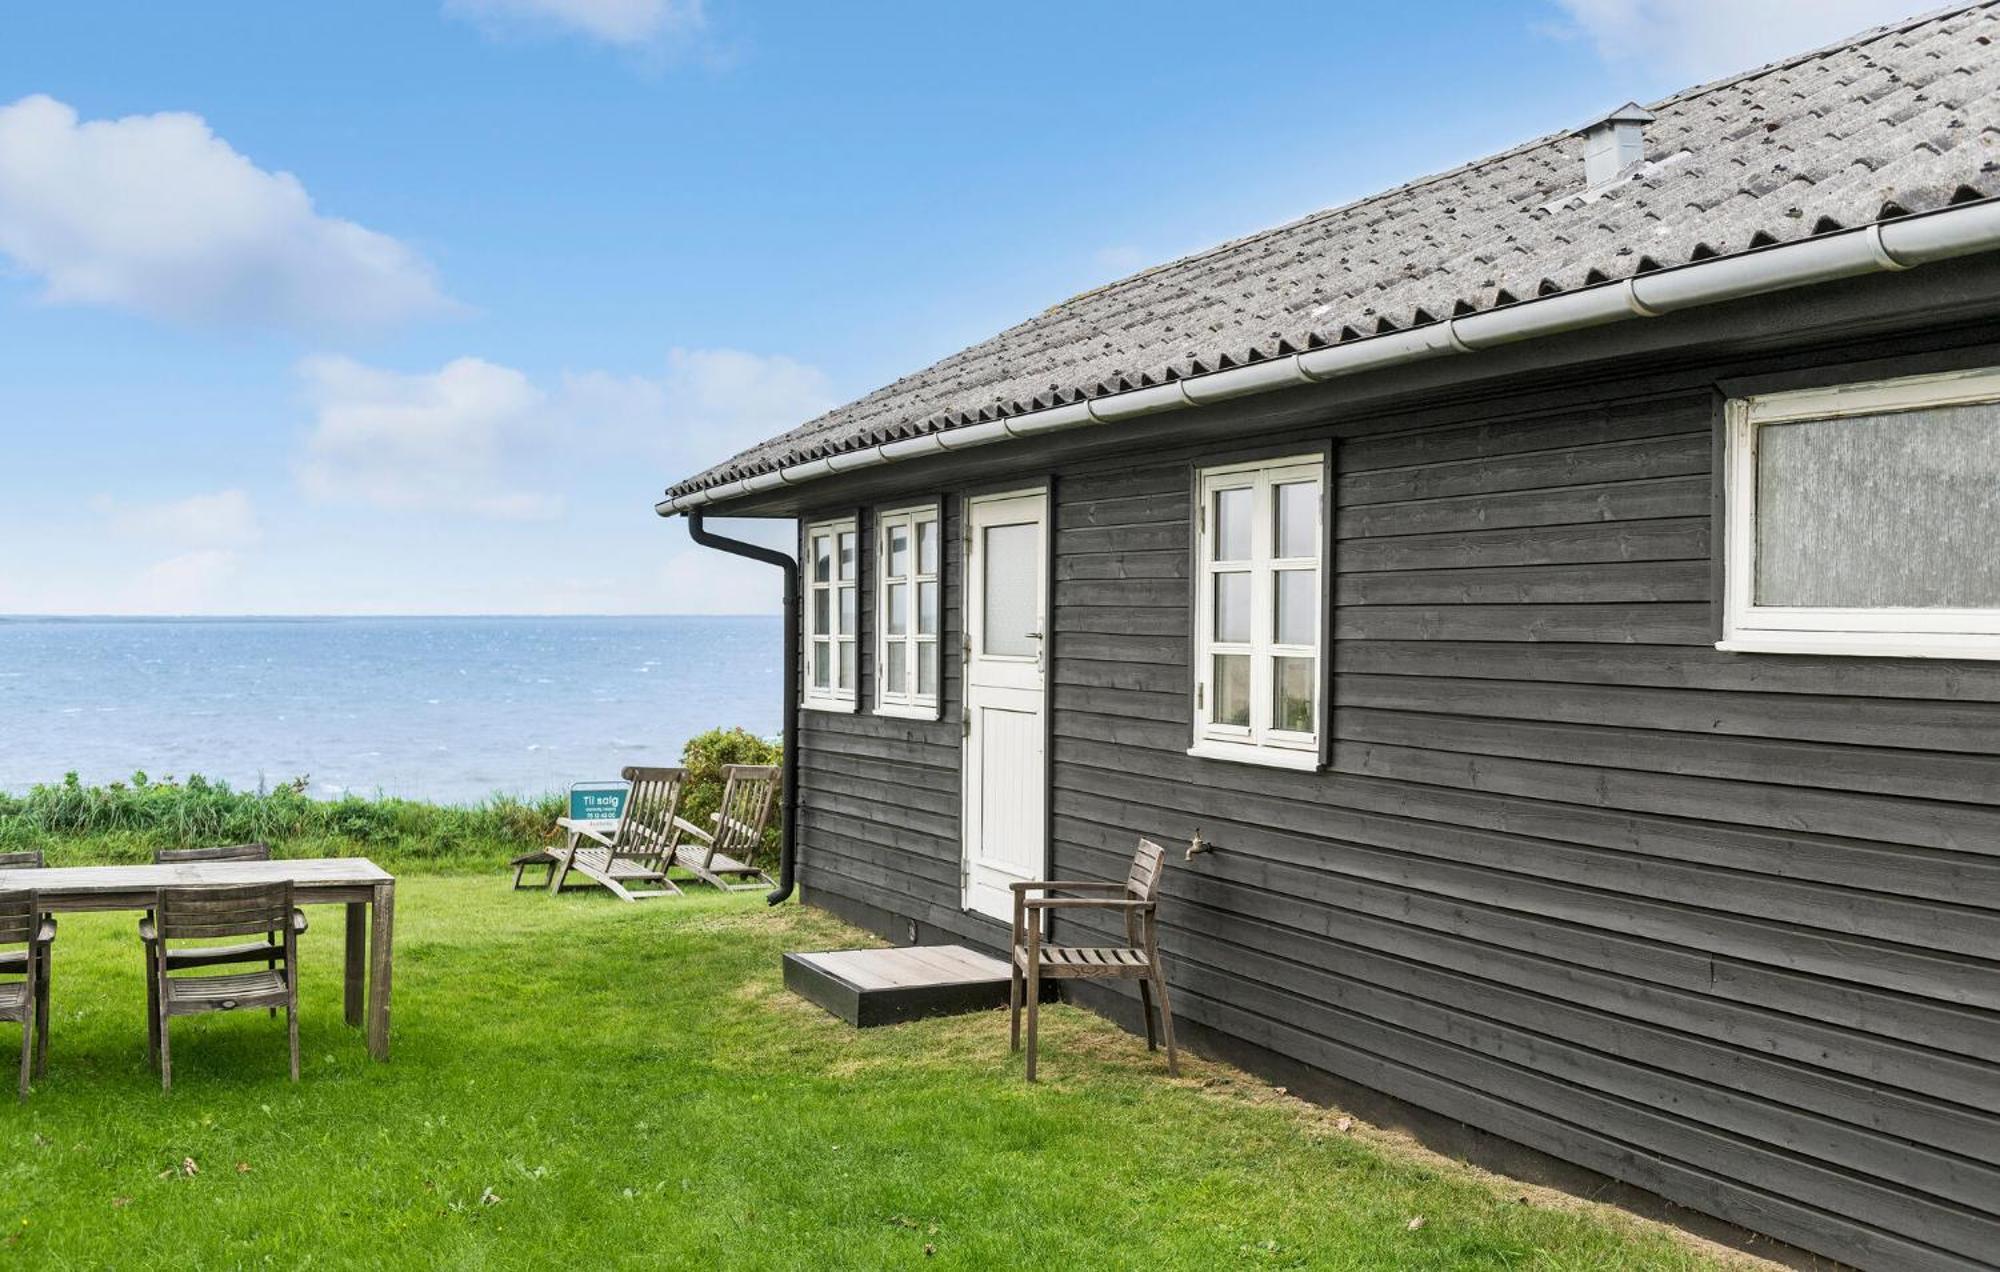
126, 821
75, 824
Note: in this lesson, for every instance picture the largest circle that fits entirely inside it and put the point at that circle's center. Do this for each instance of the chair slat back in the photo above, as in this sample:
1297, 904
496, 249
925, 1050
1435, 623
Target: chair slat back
648, 823
26, 859
1145, 876
207, 913
20, 918
746, 809
228, 852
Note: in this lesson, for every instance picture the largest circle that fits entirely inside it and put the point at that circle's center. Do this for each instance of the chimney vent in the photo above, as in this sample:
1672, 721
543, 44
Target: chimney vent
1614, 143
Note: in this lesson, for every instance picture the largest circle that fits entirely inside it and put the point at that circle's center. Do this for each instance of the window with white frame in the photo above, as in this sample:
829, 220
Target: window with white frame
1865, 519
1258, 612
832, 613
907, 551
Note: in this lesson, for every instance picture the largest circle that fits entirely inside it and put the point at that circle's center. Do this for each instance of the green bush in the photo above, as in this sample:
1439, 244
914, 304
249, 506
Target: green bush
704, 758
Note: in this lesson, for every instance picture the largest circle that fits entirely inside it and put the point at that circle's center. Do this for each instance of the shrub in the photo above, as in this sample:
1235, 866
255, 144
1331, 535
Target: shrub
704, 758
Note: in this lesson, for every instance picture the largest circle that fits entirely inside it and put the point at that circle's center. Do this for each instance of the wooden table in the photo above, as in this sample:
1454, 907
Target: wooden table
355, 882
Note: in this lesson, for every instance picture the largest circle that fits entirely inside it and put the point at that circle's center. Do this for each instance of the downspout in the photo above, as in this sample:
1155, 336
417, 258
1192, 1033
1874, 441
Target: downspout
789, 790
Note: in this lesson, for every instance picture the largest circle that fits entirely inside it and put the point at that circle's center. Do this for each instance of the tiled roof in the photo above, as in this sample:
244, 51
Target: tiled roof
1897, 120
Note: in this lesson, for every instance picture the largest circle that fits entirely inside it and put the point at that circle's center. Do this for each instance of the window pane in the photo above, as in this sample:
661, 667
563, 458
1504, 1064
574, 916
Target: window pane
822, 557
927, 546
1232, 524
927, 607
846, 664
1297, 526
1297, 619
847, 623
896, 621
821, 614
1292, 694
822, 664
899, 552
1012, 572
1232, 608
927, 669
896, 668
847, 554
1886, 510
1232, 689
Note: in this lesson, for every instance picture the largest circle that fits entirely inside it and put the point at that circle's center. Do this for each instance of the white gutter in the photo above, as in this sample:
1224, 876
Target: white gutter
1894, 245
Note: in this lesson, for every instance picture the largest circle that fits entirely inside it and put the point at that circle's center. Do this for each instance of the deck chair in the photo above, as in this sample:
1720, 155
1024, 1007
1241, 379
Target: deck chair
631, 859
26, 1000
722, 856
1138, 959
206, 914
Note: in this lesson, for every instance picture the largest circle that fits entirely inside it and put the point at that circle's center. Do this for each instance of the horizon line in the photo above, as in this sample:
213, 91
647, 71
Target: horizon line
26, 617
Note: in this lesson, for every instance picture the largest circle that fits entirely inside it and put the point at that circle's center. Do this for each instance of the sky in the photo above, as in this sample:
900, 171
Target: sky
416, 306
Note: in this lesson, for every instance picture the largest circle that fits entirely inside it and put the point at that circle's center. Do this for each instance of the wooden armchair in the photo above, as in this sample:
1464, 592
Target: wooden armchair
206, 914
16, 961
722, 857
1138, 959
26, 1000
218, 956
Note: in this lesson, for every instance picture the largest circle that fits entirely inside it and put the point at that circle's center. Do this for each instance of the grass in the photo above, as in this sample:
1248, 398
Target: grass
586, 1083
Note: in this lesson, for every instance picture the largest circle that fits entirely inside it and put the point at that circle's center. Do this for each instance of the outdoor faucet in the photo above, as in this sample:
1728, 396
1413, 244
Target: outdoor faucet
1197, 844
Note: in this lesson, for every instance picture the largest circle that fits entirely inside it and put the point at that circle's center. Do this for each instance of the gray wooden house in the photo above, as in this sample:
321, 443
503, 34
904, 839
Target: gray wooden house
1565, 594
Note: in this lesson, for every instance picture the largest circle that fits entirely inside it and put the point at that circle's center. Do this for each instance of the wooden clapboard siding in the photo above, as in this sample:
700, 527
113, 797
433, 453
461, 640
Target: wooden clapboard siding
1724, 927
879, 795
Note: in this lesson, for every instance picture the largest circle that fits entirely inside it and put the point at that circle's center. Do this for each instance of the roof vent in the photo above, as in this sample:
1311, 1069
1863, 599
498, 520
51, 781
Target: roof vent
1614, 143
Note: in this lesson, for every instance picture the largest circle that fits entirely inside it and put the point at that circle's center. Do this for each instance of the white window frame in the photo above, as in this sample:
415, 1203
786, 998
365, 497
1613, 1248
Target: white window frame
1259, 742
907, 702
1882, 632
835, 696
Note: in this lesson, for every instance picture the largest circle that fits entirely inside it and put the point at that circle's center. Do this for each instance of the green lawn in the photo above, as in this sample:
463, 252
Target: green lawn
582, 1083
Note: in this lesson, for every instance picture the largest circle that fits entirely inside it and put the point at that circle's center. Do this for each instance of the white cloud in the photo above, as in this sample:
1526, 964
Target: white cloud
157, 215
190, 583
480, 438
224, 519
1698, 40
629, 23
702, 581
704, 407
454, 439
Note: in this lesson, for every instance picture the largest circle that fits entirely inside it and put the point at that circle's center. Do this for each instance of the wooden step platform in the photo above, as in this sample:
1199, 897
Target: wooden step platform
880, 987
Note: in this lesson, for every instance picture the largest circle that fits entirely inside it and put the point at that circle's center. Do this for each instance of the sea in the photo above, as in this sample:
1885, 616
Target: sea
453, 710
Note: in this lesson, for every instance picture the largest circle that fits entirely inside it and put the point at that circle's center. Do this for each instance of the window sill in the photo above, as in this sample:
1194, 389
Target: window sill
903, 711
835, 706
1266, 757
1864, 644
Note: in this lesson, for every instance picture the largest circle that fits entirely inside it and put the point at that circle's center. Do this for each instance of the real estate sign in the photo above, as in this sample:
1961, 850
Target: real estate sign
598, 801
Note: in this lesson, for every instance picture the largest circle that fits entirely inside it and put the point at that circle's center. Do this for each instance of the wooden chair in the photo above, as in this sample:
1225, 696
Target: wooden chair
230, 953
26, 1000
1138, 959
722, 857
31, 859
637, 852
232, 852
205, 914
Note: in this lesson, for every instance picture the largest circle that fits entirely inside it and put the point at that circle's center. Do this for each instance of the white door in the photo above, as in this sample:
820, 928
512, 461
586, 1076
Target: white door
1006, 618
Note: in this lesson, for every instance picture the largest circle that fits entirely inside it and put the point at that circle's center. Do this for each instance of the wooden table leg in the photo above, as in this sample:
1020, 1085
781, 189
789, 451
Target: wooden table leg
357, 960
381, 963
